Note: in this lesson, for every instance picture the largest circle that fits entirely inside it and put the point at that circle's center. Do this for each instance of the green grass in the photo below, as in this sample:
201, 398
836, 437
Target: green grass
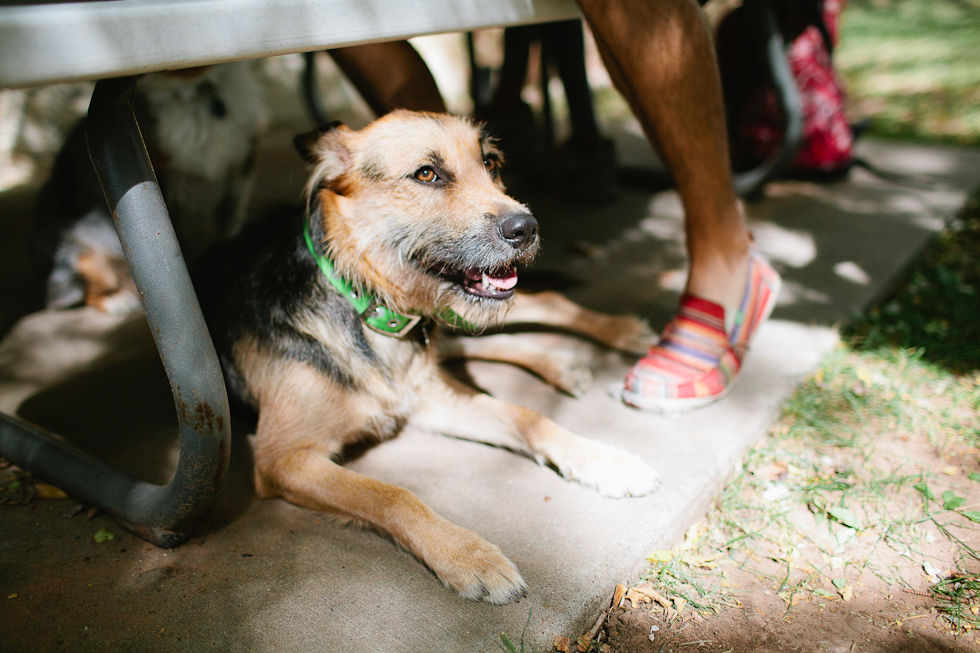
936, 308
912, 66
830, 496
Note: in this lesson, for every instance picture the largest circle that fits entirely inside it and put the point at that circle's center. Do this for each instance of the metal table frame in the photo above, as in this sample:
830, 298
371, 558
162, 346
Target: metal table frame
112, 41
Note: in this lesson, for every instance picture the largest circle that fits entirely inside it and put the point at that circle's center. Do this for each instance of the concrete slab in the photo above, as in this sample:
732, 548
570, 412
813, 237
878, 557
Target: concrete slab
268, 576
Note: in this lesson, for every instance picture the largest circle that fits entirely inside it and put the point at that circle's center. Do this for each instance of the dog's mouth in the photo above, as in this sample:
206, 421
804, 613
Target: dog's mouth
495, 284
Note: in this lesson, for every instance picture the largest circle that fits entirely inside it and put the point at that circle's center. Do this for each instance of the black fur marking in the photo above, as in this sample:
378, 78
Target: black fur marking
373, 170
259, 285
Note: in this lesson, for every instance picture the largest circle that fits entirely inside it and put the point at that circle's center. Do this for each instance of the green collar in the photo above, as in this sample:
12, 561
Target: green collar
376, 315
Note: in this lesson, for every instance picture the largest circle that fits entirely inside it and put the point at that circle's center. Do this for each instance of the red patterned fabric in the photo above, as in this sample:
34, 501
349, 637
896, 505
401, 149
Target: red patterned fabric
827, 138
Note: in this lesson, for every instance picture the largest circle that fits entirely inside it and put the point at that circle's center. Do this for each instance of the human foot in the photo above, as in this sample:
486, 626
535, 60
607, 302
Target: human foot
700, 352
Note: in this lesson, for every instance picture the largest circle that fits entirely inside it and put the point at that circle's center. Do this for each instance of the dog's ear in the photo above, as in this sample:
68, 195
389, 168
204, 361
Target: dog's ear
306, 144
328, 151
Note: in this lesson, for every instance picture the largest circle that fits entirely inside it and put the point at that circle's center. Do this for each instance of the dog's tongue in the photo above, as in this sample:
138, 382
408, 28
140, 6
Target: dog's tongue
502, 281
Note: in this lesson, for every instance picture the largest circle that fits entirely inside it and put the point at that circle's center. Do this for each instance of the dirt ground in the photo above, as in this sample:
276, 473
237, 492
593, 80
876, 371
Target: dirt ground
876, 619
852, 527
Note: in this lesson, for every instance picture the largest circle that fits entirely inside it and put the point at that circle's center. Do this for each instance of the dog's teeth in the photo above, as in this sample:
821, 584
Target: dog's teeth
486, 282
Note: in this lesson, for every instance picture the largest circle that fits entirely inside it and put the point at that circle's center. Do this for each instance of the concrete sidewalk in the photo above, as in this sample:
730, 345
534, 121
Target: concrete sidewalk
268, 576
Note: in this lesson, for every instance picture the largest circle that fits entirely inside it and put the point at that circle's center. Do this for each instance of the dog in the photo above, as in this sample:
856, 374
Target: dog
326, 320
201, 127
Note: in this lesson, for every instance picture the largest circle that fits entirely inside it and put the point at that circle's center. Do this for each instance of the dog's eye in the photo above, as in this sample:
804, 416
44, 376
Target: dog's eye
491, 164
426, 175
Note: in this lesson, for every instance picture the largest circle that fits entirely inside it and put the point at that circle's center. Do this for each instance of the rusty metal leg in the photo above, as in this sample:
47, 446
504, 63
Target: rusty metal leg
158, 514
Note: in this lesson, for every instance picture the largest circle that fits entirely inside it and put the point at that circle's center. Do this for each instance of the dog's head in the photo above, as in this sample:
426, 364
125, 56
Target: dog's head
412, 208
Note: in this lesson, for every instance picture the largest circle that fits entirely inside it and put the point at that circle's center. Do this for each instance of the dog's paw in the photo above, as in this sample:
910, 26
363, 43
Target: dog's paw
476, 569
630, 334
610, 470
571, 374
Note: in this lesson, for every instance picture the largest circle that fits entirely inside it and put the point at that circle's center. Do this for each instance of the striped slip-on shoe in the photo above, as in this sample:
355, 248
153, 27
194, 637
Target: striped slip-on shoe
700, 354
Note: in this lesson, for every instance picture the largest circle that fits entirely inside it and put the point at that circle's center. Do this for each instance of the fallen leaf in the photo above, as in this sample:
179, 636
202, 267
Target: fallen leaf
45, 491
774, 471
974, 477
102, 535
563, 644
848, 593
707, 561
951, 501
972, 515
661, 556
12, 596
844, 516
680, 604
584, 643
951, 470
839, 583
618, 596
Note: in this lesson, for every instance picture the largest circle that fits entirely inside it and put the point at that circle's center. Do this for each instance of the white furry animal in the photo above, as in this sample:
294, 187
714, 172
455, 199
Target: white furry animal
201, 128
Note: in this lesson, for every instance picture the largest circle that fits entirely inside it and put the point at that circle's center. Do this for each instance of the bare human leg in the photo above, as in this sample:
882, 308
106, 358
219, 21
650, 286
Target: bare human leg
659, 55
390, 76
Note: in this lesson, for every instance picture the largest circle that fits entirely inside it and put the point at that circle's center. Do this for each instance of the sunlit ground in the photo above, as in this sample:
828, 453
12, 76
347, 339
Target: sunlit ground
914, 67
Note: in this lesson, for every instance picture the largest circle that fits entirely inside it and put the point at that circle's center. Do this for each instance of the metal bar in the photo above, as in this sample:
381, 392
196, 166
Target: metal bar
311, 91
159, 514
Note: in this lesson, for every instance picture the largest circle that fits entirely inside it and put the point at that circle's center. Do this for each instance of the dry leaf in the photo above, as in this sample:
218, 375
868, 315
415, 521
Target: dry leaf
951, 470
847, 593
45, 491
618, 596
680, 604
563, 644
645, 594
637, 597
662, 555
584, 643
708, 561
774, 471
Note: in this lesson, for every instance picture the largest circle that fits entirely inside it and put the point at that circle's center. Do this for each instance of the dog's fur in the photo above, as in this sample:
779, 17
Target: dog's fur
412, 210
201, 128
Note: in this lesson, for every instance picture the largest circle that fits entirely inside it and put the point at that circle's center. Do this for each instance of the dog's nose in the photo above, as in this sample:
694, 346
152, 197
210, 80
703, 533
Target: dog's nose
519, 229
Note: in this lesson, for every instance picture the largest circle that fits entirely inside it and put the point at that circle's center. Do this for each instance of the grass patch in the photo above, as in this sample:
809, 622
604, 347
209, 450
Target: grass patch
832, 498
936, 308
911, 65
870, 474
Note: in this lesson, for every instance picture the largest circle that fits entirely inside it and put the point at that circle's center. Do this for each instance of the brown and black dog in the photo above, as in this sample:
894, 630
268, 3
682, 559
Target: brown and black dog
326, 322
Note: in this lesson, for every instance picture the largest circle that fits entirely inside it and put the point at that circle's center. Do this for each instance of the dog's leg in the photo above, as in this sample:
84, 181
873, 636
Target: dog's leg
292, 460
622, 332
452, 408
562, 368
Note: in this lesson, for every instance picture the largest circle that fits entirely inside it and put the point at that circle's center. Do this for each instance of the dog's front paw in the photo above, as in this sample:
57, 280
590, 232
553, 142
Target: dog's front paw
475, 568
630, 334
571, 374
610, 470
